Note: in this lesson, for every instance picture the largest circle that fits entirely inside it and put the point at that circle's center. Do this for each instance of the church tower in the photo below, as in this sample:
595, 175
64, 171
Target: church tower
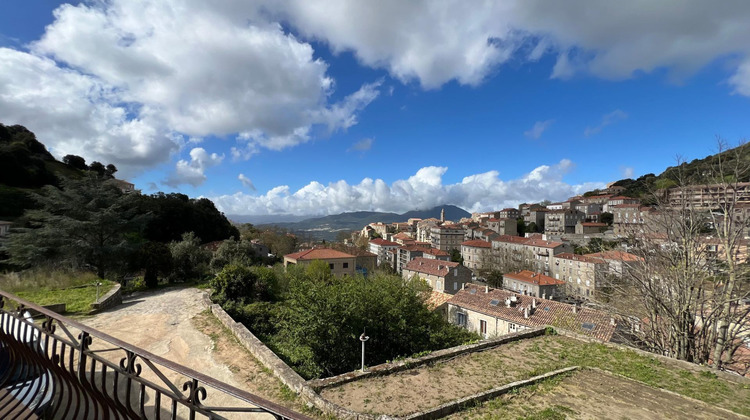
442, 215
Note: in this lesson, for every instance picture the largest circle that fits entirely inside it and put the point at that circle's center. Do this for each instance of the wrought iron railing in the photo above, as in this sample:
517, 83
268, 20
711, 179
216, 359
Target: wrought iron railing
61, 369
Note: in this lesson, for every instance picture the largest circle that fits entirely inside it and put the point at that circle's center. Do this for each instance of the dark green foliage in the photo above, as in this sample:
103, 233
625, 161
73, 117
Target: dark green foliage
532, 228
494, 279
87, 223
242, 284
13, 202
156, 259
456, 256
607, 217
76, 162
234, 252
521, 226
190, 260
22, 159
175, 214
324, 313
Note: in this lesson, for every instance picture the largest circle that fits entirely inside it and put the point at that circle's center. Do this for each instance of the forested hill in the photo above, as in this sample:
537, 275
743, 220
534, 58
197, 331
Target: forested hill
698, 171
26, 167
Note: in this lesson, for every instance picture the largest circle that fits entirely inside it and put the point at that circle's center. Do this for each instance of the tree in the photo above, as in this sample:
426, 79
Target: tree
98, 168
190, 260
607, 217
156, 259
683, 299
243, 284
521, 226
87, 223
76, 162
494, 279
234, 252
456, 256
532, 228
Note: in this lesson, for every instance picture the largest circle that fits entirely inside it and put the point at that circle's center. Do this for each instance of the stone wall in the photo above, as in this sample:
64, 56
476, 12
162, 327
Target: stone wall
109, 300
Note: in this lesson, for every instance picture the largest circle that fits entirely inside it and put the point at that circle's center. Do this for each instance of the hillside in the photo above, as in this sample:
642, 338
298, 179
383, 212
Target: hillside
327, 227
697, 171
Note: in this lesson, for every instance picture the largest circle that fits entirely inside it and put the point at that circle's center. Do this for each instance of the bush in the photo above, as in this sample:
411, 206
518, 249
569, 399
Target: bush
234, 252
242, 284
190, 261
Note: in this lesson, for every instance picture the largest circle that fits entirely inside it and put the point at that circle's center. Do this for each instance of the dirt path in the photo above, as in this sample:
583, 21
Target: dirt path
174, 324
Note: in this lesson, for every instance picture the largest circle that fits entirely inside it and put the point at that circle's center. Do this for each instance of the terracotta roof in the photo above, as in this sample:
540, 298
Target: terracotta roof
511, 239
436, 252
428, 266
532, 277
586, 321
436, 299
541, 243
594, 224
616, 255
509, 209
622, 197
383, 242
477, 243
318, 254
402, 235
581, 258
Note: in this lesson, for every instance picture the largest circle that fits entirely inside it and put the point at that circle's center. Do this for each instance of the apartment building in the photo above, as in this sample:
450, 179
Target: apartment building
582, 274
340, 263
588, 228
541, 252
505, 226
442, 276
424, 229
508, 213
619, 200
709, 196
380, 247
531, 283
476, 254
635, 219
447, 237
560, 222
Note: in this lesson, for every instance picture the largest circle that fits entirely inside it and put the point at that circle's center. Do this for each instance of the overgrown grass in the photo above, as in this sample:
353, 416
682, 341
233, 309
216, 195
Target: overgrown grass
45, 287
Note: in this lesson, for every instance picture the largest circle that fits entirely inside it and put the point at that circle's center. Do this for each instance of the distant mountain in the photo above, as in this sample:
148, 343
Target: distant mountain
266, 218
327, 227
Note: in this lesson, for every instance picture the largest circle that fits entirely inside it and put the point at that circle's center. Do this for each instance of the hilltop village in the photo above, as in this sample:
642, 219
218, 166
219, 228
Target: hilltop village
502, 271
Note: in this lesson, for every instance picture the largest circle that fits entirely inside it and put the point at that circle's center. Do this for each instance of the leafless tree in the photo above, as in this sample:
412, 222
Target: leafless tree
685, 298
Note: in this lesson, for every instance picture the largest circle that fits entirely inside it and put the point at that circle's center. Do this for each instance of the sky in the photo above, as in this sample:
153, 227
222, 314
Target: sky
320, 107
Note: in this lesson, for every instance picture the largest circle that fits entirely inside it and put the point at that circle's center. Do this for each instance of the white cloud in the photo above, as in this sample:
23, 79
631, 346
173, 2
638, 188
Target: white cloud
425, 189
607, 119
362, 145
132, 81
246, 182
539, 127
193, 172
626, 171
436, 42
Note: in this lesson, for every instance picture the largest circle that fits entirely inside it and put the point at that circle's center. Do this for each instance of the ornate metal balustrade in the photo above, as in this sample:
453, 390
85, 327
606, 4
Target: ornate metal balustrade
61, 369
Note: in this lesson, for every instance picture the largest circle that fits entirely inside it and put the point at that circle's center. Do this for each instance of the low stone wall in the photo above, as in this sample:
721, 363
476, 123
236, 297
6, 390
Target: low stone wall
55, 307
109, 300
456, 405
408, 363
681, 363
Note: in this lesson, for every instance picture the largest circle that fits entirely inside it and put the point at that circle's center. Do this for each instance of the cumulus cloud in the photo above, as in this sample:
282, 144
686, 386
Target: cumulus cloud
626, 171
607, 119
424, 189
436, 42
362, 145
539, 127
193, 172
246, 182
161, 74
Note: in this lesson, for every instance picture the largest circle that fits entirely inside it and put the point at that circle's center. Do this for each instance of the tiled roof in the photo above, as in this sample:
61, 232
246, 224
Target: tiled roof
622, 197
548, 312
581, 258
511, 239
477, 243
436, 252
433, 267
509, 209
541, 243
318, 254
383, 242
532, 277
594, 224
616, 255
436, 299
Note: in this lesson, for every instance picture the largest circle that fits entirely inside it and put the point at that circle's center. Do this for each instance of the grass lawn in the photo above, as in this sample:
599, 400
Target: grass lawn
76, 289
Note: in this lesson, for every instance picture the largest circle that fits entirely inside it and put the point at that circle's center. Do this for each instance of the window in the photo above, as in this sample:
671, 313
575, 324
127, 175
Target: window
330, 266
455, 285
461, 319
483, 327
346, 265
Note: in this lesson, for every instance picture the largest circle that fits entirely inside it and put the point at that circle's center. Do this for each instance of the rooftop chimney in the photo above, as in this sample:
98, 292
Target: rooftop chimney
526, 312
533, 303
575, 308
544, 295
612, 322
486, 289
507, 303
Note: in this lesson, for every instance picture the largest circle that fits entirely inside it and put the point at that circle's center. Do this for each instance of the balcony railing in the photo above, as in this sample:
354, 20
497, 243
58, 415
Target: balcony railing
61, 369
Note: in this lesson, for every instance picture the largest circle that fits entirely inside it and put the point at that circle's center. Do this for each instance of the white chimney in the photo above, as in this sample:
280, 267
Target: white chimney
544, 295
507, 303
486, 289
533, 303
463, 286
575, 308
526, 312
612, 322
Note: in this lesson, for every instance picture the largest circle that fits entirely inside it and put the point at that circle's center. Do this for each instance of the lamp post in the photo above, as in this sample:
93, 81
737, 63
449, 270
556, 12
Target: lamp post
98, 283
363, 338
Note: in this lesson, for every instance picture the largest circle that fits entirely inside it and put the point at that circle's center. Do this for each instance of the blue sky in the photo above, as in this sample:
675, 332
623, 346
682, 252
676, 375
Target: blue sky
327, 106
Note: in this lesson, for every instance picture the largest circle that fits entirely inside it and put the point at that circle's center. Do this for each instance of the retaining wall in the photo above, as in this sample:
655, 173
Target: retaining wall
109, 300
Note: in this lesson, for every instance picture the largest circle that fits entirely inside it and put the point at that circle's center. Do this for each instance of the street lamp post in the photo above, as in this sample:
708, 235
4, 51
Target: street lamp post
98, 283
363, 338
